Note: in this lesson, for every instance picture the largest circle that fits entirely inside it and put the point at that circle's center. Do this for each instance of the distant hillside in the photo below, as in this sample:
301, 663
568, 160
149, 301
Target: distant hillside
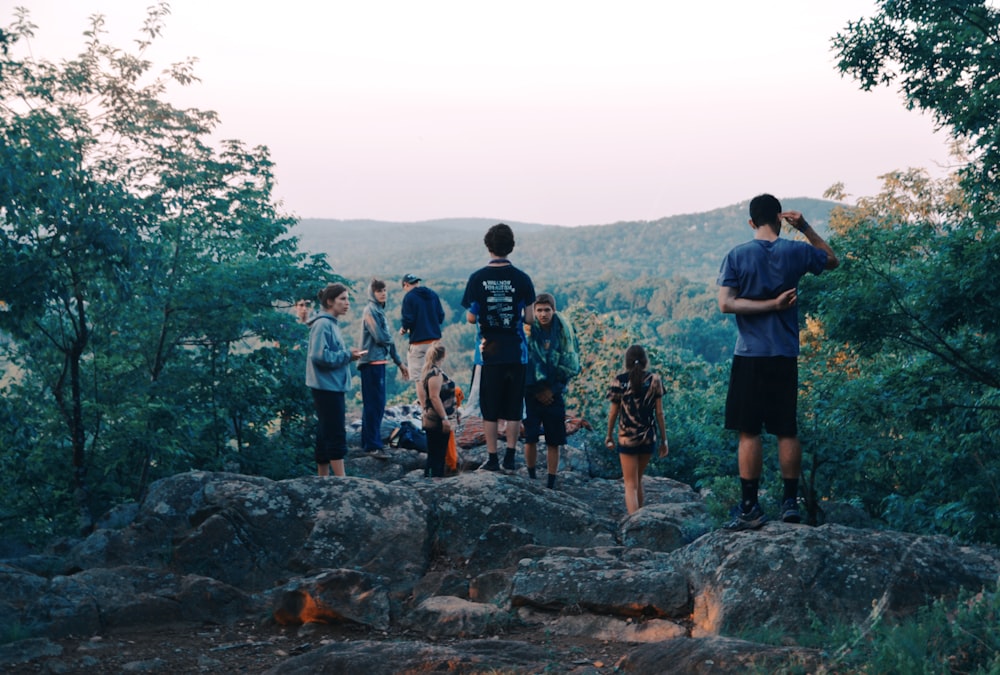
689, 245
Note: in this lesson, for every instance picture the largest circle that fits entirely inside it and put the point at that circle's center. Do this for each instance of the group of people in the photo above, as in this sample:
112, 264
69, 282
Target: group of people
523, 374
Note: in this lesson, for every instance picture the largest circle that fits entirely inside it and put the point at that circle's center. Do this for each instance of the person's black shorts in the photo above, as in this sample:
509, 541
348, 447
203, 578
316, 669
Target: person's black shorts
637, 450
501, 391
550, 418
763, 394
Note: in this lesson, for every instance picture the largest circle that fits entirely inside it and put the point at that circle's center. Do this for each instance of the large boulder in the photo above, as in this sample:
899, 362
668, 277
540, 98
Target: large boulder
332, 597
465, 507
251, 532
125, 597
618, 581
418, 560
783, 575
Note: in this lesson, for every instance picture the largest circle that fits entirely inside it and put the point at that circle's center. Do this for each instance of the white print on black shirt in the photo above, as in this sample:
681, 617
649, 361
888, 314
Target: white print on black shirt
499, 303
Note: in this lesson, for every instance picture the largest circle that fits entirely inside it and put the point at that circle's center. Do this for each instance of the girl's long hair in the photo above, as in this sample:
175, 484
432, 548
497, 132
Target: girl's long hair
635, 366
435, 354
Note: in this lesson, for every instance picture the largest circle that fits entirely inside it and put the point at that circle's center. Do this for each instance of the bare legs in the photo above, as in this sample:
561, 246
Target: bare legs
531, 454
336, 465
492, 434
551, 456
751, 456
633, 466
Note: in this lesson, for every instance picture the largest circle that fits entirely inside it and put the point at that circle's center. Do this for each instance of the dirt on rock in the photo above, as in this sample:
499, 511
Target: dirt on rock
248, 647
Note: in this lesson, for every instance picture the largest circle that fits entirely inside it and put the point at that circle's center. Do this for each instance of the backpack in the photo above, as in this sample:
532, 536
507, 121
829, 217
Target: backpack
408, 436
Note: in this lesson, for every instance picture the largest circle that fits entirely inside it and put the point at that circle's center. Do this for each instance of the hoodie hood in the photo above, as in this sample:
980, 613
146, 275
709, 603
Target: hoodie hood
371, 297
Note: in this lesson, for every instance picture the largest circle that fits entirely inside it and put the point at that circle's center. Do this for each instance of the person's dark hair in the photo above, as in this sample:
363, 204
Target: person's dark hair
764, 210
546, 299
499, 239
331, 293
635, 365
377, 285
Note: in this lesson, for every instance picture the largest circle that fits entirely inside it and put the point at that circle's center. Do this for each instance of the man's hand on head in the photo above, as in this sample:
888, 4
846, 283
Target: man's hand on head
795, 219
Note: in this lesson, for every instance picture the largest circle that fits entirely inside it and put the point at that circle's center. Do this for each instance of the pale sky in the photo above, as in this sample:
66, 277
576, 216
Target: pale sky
560, 112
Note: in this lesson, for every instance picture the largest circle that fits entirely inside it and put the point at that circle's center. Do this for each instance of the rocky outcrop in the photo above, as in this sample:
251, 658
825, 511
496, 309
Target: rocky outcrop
466, 559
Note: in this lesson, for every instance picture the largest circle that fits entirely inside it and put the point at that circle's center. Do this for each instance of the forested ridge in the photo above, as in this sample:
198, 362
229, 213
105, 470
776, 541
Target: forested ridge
689, 245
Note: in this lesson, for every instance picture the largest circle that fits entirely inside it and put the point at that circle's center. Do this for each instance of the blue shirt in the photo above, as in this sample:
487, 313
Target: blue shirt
762, 270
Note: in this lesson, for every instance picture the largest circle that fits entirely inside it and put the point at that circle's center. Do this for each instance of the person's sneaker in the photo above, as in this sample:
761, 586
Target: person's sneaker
491, 464
747, 521
377, 453
508, 464
790, 511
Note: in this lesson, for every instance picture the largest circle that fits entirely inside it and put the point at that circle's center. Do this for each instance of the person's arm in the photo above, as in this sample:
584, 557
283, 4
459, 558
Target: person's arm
329, 355
378, 329
394, 355
661, 423
472, 314
612, 417
798, 221
529, 314
406, 315
731, 303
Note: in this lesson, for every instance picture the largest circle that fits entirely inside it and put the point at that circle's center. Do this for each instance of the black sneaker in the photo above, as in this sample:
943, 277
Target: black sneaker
747, 521
790, 511
491, 464
508, 464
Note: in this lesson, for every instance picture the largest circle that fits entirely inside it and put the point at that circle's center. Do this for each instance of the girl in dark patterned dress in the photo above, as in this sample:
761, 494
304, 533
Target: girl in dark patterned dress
636, 398
439, 405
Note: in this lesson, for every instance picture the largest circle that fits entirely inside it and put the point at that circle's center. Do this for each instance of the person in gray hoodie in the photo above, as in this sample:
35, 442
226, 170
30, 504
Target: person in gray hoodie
328, 375
377, 343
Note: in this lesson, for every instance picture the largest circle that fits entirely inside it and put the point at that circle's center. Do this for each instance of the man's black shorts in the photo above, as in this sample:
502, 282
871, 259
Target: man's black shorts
501, 391
763, 394
547, 419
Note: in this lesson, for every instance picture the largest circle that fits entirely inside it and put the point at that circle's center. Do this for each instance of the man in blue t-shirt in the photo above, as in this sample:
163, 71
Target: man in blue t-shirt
499, 298
757, 282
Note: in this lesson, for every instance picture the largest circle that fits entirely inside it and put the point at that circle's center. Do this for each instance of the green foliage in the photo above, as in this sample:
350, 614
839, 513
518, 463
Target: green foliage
954, 635
14, 632
144, 269
948, 636
902, 364
942, 56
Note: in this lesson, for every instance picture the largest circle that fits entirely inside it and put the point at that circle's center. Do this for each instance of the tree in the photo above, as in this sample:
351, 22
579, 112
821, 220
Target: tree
943, 54
902, 382
920, 309
145, 265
